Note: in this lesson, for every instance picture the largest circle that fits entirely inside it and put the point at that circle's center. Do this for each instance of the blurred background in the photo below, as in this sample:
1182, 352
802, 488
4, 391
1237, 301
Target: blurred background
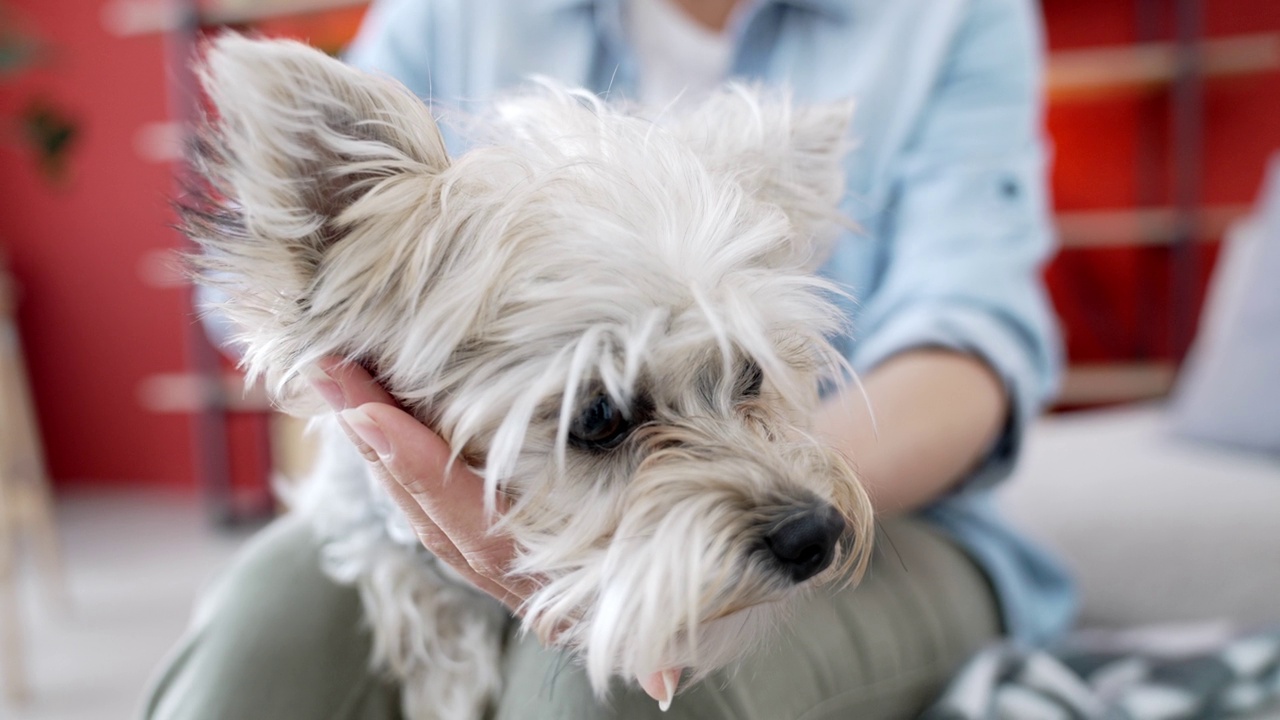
132, 464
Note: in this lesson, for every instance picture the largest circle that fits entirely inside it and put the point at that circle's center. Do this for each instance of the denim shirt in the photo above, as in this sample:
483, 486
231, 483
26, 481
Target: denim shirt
947, 184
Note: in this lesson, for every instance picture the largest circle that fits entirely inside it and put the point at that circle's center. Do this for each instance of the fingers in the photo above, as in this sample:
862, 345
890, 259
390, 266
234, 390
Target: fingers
450, 499
344, 384
445, 506
441, 546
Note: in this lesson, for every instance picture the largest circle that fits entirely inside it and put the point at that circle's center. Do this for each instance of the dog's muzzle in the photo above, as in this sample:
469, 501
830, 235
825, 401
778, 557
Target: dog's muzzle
804, 543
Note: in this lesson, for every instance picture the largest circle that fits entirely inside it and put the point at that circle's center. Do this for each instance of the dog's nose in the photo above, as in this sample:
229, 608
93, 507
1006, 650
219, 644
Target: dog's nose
805, 543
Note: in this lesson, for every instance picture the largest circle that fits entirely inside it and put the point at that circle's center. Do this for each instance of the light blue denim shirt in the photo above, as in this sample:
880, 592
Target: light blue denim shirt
947, 183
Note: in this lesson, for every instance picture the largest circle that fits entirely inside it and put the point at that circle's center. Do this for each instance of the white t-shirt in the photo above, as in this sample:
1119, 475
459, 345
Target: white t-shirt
679, 59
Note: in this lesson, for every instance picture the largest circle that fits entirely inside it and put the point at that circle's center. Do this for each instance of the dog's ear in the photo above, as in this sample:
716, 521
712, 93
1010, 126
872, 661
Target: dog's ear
790, 155
294, 147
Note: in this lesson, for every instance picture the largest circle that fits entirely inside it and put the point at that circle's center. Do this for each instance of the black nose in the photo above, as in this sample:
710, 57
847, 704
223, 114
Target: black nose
805, 543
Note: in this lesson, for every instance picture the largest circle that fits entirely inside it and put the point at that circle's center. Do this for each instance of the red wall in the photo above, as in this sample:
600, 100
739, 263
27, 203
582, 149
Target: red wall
1115, 302
93, 330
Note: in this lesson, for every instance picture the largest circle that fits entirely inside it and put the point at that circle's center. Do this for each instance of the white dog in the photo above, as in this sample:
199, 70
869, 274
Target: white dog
614, 321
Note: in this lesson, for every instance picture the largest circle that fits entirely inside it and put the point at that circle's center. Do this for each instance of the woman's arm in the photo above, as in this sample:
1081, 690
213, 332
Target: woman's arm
937, 414
957, 341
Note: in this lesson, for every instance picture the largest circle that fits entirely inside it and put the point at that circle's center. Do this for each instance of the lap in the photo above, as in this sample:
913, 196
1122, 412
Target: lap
276, 638
884, 649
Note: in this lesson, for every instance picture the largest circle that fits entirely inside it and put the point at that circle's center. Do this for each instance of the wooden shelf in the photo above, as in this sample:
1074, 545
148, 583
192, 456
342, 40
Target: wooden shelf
182, 393
257, 11
127, 18
1096, 383
1145, 227
1072, 74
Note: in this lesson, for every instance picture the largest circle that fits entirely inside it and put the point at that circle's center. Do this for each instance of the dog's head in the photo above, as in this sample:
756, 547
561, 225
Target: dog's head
615, 321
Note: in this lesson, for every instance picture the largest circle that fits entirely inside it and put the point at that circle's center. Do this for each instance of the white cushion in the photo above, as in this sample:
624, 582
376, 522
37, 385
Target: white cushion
1157, 529
1229, 389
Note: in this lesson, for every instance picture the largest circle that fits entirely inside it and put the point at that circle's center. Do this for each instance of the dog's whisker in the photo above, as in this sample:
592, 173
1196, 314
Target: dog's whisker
882, 532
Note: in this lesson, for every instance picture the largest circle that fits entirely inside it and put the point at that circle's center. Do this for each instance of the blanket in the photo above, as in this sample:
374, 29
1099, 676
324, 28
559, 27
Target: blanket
1146, 675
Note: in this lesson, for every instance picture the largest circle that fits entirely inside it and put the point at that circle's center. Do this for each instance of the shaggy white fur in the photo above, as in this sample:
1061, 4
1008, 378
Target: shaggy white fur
615, 322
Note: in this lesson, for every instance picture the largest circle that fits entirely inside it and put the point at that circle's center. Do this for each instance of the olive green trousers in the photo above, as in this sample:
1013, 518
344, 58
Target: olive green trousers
275, 639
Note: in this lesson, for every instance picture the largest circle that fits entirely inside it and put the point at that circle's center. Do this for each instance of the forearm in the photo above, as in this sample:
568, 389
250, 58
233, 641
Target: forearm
937, 413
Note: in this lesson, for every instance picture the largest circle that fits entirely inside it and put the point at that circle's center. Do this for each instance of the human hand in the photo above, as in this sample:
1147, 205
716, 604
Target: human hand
444, 505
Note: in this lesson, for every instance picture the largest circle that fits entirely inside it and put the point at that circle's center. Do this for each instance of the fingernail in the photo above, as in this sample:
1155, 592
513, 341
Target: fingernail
330, 390
365, 428
669, 680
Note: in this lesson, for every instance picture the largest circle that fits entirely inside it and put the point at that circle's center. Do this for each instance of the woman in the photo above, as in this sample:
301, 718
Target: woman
952, 335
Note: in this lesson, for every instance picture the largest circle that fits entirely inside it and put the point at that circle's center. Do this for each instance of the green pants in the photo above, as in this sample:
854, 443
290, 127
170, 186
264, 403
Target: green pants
277, 640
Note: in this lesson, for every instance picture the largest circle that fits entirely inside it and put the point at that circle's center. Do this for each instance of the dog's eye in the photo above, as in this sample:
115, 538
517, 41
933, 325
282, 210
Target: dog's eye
601, 425
751, 382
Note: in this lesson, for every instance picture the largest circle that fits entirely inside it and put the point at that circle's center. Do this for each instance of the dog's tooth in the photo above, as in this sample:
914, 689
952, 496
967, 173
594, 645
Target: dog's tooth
670, 678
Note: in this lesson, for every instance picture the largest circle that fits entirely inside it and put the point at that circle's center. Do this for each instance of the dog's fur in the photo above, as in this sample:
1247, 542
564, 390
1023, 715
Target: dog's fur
578, 255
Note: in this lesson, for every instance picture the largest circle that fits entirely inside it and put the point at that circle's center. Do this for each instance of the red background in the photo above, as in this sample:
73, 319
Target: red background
93, 330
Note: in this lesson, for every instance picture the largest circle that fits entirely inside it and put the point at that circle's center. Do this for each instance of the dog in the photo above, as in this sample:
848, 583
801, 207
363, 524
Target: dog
613, 319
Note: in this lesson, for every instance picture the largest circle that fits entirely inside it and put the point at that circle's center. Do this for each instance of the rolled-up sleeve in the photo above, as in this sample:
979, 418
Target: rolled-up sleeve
967, 225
